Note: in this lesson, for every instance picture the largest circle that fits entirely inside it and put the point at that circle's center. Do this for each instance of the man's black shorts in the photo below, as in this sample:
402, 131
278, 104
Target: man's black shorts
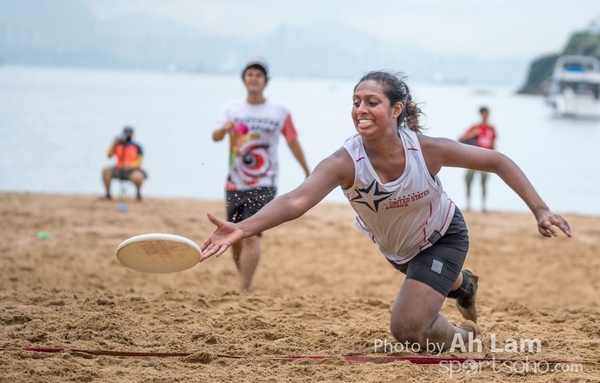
243, 204
438, 266
125, 174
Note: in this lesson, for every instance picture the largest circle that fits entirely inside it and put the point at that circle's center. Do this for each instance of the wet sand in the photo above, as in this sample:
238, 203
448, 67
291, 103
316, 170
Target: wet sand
323, 289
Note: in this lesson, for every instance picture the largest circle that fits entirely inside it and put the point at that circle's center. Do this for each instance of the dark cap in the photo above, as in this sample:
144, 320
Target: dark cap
127, 129
257, 61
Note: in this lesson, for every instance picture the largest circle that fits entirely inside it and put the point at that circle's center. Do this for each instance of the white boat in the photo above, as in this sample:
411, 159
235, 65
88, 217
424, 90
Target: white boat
575, 86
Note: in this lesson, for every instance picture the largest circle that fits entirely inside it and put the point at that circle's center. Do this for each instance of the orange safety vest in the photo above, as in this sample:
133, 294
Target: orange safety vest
127, 154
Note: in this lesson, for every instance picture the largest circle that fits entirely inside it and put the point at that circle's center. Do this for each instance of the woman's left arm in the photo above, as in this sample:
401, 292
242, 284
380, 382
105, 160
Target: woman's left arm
439, 152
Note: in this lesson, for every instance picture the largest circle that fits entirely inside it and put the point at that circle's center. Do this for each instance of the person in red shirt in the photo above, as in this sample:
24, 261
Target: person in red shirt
484, 136
129, 156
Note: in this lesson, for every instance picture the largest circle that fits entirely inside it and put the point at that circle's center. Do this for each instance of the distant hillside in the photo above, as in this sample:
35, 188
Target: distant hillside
69, 33
581, 43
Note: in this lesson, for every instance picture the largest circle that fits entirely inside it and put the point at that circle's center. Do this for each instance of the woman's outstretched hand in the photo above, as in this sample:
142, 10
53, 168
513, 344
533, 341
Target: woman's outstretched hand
225, 235
547, 220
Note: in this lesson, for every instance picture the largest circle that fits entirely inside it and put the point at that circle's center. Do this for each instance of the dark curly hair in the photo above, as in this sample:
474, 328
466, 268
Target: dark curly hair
396, 90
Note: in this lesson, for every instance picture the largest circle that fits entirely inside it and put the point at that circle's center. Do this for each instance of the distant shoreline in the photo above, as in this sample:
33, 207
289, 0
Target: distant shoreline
220, 203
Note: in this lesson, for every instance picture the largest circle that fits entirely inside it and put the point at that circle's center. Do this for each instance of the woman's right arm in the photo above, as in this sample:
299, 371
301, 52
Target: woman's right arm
335, 170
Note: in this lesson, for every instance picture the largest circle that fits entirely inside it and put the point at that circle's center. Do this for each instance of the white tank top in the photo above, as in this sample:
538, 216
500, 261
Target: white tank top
403, 216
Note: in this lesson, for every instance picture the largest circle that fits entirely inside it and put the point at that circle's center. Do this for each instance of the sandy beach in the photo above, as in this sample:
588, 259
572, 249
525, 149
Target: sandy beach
323, 289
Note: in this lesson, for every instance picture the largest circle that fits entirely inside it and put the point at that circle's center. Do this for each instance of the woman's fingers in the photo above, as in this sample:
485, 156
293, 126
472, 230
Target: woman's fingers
213, 249
545, 232
216, 221
209, 251
221, 250
220, 239
546, 226
564, 226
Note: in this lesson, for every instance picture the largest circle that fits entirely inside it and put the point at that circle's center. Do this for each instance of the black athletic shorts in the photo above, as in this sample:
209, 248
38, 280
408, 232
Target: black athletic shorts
439, 265
243, 204
125, 174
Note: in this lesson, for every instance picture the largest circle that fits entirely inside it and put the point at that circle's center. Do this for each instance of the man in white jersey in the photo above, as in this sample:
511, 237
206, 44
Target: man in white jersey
254, 125
388, 172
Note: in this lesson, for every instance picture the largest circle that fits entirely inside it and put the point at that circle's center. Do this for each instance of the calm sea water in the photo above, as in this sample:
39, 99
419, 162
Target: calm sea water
56, 126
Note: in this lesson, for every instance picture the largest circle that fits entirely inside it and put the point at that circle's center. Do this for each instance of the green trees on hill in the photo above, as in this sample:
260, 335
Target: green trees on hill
584, 43
581, 43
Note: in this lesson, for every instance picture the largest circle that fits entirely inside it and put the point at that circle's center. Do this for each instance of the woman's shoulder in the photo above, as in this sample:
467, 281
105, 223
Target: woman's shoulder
340, 164
428, 142
353, 142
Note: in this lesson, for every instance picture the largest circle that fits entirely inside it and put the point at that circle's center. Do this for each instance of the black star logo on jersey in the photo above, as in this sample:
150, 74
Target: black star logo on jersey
375, 196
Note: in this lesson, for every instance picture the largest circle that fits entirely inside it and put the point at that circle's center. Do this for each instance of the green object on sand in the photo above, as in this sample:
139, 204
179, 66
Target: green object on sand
43, 235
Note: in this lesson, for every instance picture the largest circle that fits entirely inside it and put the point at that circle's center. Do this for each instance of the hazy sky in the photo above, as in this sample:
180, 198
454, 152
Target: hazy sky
484, 28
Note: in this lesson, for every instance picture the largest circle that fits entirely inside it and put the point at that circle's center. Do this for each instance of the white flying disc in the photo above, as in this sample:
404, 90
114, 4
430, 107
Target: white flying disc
159, 253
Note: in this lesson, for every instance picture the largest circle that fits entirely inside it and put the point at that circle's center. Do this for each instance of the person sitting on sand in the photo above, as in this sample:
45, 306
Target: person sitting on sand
129, 156
389, 173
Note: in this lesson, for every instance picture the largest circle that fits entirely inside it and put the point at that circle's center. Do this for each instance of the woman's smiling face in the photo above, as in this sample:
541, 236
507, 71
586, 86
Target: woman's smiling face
371, 109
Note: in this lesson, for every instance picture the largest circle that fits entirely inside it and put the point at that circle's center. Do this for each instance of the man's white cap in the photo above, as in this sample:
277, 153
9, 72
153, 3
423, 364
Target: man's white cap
259, 61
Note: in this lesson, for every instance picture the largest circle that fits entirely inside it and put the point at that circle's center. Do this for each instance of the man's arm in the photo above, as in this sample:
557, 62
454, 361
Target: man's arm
220, 133
137, 164
299, 154
111, 150
291, 136
470, 133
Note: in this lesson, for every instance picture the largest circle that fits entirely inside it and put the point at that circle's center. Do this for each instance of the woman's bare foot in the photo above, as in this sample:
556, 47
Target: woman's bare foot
470, 326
